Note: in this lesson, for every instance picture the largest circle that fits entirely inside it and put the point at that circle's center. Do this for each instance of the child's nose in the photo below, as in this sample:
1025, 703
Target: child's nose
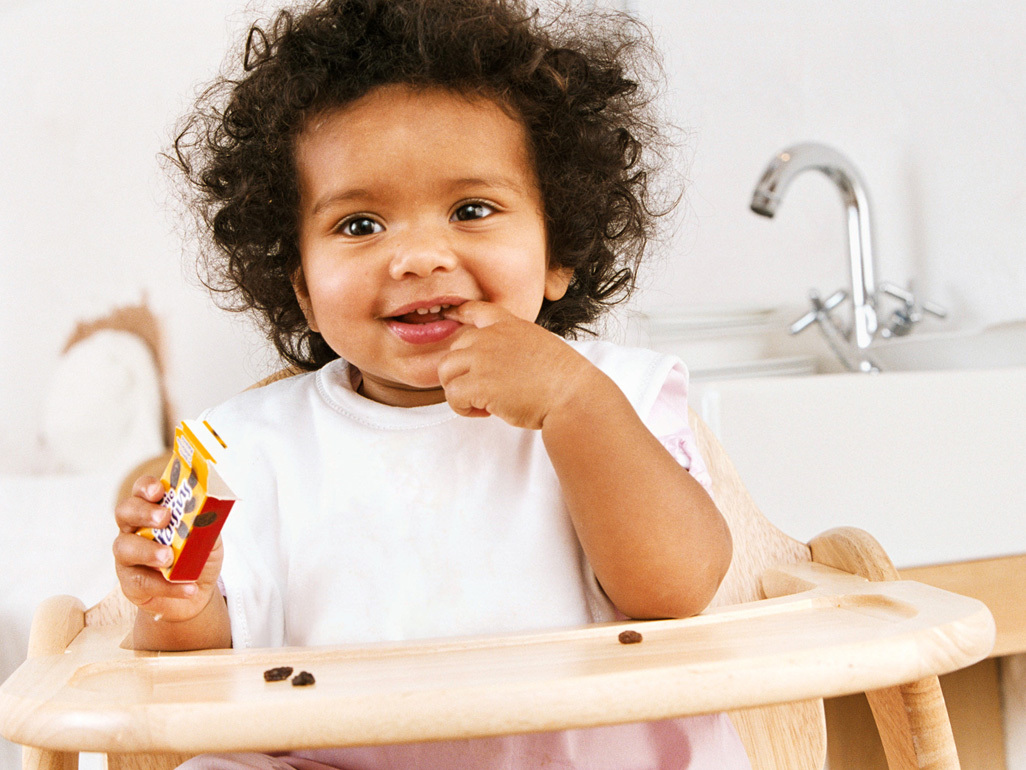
422, 254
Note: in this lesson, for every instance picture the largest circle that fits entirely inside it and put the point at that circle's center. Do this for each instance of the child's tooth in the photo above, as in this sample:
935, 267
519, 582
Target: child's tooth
436, 309
422, 311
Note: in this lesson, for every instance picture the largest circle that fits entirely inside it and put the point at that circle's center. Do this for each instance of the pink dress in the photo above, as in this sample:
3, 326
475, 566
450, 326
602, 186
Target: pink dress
697, 742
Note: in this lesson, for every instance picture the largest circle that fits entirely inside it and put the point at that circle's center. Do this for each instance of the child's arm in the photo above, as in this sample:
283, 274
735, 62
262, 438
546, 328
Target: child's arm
173, 616
656, 541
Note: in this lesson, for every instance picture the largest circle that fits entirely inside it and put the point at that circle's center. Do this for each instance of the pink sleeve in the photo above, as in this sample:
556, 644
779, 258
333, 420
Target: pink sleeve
668, 420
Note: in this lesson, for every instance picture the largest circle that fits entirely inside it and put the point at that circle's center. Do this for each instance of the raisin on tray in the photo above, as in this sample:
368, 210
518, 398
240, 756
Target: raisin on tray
277, 674
629, 637
302, 679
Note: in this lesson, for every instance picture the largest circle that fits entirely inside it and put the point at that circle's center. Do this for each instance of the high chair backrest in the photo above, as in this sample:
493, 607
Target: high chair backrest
791, 735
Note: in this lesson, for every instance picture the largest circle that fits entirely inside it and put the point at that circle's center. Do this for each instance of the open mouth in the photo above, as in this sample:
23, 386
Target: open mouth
424, 324
423, 315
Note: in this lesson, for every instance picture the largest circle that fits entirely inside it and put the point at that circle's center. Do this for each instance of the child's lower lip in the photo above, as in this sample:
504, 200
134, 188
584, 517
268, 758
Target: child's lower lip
425, 333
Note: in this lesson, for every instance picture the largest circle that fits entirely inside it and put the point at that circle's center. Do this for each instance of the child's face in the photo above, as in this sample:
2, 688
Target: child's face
411, 200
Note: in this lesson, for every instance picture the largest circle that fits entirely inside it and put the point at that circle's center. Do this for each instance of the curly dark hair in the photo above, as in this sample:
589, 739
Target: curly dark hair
574, 81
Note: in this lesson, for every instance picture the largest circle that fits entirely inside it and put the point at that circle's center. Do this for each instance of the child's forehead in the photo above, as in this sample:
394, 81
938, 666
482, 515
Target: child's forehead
391, 117
393, 98
403, 133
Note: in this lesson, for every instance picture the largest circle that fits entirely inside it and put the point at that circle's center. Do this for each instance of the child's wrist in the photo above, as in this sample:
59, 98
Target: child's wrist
585, 394
203, 630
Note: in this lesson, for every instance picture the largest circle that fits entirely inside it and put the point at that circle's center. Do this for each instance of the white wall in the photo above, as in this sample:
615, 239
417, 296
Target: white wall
90, 91
927, 97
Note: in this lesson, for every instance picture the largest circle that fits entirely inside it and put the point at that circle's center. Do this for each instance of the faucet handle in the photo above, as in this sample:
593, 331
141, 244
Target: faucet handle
836, 338
904, 318
905, 295
820, 309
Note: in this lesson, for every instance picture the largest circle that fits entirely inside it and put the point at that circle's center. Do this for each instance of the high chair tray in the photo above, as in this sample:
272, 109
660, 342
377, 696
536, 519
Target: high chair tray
826, 633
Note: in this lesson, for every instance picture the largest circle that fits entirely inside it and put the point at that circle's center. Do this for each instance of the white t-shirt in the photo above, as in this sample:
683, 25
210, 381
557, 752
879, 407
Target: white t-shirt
360, 522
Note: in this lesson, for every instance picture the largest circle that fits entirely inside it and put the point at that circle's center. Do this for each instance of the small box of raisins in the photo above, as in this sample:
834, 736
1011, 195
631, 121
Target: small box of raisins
198, 498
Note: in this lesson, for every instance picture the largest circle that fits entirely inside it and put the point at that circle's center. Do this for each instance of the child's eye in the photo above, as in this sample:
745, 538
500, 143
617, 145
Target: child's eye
469, 211
359, 226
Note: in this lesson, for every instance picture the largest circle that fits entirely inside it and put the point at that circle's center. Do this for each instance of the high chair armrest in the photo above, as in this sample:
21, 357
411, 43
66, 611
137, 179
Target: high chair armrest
56, 622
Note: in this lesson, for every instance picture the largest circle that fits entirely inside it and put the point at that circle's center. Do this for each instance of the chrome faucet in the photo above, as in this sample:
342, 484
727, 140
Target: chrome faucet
770, 191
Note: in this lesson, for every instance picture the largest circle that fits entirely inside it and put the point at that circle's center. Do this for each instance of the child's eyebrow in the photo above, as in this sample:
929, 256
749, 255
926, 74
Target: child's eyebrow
340, 196
491, 182
498, 181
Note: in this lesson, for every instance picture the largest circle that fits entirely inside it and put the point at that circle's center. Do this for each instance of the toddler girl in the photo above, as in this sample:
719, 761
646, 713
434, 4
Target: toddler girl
422, 199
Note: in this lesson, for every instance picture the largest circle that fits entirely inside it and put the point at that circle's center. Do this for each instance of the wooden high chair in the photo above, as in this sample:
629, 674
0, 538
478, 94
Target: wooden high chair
791, 624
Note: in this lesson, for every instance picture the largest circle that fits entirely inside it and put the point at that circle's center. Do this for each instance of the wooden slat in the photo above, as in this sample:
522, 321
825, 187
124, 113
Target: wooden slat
974, 705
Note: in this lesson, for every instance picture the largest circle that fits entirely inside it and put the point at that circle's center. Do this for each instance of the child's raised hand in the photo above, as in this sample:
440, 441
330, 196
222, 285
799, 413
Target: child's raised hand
511, 368
138, 560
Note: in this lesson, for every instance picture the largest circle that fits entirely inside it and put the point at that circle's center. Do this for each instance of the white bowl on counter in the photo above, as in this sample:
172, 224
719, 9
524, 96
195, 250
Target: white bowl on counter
726, 342
713, 338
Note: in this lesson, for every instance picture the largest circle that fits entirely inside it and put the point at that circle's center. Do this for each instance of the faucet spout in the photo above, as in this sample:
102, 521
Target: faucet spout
769, 192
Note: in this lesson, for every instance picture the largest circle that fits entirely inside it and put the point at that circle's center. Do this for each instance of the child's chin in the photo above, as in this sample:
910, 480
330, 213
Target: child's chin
420, 378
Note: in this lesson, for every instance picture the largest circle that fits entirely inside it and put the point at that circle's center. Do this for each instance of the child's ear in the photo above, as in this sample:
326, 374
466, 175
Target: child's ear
557, 279
303, 296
